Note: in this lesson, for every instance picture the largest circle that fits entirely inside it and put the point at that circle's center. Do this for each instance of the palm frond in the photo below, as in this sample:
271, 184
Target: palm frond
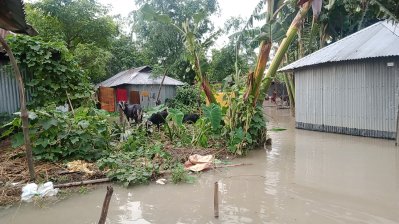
387, 13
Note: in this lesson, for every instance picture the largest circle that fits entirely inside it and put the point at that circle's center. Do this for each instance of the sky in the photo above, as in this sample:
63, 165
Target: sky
228, 9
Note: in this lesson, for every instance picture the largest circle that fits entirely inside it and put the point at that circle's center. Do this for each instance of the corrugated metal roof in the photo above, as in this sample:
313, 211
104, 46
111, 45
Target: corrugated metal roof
138, 76
378, 40
12, 17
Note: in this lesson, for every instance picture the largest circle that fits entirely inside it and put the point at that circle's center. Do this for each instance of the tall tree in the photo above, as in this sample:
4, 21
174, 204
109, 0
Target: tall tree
124, 55
75, 21
83, 25
161, 44
223, 61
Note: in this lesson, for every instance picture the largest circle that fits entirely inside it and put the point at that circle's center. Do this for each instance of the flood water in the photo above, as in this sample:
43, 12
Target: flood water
306, 177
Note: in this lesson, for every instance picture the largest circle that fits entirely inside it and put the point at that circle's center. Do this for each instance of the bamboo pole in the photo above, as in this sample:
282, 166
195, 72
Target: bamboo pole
290, 35
216, 200
104, 210
24, 110
84, 182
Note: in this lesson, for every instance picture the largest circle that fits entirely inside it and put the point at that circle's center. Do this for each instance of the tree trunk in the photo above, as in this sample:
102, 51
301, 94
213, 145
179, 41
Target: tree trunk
204, 81
24, 111
255, 81
160, 86
290, 35
290, 94
323, 29
290, 88
301, 52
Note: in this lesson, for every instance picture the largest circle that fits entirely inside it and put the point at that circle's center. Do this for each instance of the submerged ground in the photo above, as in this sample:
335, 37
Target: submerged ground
306, 177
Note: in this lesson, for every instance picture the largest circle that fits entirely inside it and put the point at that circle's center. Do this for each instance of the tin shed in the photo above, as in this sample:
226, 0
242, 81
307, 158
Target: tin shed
351, 86
138, 86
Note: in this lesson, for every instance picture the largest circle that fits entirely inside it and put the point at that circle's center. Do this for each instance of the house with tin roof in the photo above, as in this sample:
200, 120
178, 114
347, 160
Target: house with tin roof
136, 86
351, 86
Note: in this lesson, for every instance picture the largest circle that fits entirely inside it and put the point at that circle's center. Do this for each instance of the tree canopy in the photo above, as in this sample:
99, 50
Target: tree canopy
75, 22
162, 45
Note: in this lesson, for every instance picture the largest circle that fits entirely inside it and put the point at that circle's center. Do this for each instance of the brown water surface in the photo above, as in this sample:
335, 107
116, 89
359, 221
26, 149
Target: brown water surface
306, 177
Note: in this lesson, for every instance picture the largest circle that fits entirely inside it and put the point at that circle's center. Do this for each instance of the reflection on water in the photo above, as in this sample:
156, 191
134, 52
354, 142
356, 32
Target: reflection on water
307, 177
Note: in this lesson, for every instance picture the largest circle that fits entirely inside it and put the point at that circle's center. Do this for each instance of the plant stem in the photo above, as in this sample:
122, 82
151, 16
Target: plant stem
263, 57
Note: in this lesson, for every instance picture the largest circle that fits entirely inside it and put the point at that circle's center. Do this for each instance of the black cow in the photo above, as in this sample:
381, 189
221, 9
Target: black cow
132, 111
158, 118
190, 118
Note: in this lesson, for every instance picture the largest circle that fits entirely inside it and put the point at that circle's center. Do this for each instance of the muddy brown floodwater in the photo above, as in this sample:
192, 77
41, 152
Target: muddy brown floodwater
307, 177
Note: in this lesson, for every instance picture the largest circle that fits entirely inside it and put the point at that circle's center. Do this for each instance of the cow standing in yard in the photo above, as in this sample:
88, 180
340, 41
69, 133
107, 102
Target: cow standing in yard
190, 118
132, 111
157, 118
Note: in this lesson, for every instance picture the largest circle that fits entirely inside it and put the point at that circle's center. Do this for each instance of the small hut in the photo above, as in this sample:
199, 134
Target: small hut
136, 86
351, 86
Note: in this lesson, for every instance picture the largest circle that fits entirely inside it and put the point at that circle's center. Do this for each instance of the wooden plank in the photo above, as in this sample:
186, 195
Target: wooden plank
107, 98
134, 97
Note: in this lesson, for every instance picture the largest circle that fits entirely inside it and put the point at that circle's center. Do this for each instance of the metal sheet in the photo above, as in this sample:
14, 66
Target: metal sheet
9, 95
138, 76
354, 97
378, 40
167, 92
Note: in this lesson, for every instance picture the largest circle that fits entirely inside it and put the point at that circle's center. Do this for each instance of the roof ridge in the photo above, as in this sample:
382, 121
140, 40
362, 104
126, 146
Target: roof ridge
345, 38
393, 26
333, 51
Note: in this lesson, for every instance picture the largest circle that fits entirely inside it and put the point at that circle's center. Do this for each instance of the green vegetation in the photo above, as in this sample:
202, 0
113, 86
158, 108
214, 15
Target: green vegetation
135, 167
179, 175
83, 134
80, 45
187, 99
57, 76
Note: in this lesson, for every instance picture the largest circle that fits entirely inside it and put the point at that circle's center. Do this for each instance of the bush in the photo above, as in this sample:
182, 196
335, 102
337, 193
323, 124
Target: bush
56, 74
136, 163
187, 99
179, 175
85, 134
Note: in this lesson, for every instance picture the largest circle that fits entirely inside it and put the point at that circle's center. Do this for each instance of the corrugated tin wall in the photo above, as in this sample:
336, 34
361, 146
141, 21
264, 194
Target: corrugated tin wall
167, 92
353, 97
9, 95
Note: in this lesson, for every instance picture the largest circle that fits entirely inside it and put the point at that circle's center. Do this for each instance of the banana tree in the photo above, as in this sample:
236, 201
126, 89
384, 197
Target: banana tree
195, 48
289, 37
270, 32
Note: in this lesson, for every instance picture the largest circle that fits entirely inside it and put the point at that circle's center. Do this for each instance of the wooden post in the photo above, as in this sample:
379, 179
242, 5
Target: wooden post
216, 200
160, 87
397, 127
24, 111
104, 210
121, 115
